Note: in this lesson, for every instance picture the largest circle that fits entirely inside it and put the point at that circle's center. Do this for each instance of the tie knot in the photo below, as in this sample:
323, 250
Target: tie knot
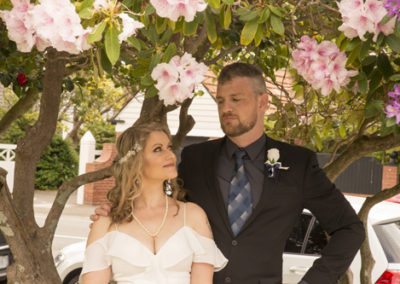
239, 156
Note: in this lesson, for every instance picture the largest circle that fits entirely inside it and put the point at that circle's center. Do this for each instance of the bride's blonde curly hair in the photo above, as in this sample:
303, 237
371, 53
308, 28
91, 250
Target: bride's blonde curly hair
128, 170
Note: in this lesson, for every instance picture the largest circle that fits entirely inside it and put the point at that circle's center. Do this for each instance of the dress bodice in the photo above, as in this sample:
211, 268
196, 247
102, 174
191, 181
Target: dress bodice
133, 263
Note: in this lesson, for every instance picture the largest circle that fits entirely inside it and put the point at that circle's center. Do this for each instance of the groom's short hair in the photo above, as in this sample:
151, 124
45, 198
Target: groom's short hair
240, 69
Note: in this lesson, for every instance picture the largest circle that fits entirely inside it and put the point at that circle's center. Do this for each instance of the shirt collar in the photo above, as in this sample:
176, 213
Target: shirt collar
252, 150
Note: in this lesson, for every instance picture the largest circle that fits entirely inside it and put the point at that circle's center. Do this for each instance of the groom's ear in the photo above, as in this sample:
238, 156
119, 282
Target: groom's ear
263, 101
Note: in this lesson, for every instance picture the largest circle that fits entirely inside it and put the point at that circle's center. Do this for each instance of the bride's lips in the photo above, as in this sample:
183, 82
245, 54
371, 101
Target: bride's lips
169, 165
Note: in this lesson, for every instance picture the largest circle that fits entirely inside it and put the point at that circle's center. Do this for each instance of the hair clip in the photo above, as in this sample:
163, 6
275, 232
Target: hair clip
130, 153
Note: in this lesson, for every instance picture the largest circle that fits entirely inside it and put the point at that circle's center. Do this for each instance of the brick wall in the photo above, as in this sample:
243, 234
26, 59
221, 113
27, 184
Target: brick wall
95, 193
390, 178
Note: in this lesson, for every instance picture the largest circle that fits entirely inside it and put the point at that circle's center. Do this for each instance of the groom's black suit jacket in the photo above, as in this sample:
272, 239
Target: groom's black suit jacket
255, 254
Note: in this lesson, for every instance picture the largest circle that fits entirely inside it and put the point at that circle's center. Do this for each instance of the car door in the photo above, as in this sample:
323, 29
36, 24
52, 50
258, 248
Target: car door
303, 246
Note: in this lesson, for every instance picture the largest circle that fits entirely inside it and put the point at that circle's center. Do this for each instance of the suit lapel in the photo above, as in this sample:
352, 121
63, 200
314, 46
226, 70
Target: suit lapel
210, 169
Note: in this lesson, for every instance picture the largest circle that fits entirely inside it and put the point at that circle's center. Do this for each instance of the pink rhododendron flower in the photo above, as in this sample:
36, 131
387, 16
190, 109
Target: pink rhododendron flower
173, 9
19, 25
361, 17
129, 27
322, 65
164, 73
393, 105
177, 79
50, 23
57, 22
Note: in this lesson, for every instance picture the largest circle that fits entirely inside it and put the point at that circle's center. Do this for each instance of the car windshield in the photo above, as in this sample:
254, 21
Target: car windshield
389, 236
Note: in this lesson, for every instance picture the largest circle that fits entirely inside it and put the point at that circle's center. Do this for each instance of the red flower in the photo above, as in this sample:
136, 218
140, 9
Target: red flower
22, 79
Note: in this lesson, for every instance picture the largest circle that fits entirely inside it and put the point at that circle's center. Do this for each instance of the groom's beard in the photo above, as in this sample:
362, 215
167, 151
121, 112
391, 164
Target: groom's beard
236, 127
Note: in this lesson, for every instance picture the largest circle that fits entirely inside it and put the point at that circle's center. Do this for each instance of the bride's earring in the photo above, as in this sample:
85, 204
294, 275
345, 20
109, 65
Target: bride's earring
168, 188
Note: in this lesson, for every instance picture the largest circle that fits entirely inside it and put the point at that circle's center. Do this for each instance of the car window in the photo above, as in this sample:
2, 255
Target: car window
294, 243
317, 239
307, 237
389, 236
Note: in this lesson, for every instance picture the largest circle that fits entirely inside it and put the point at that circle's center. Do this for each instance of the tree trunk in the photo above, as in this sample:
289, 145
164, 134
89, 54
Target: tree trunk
29, 244
367, 261
33, 260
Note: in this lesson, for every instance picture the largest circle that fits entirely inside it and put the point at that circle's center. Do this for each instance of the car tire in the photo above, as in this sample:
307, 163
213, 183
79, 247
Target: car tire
73, 277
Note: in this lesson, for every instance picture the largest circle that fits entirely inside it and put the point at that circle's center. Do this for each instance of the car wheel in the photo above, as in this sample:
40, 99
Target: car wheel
73, 277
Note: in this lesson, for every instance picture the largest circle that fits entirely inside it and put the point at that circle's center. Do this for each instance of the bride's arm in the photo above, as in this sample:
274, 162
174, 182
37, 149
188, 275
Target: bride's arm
201, 273
102, 276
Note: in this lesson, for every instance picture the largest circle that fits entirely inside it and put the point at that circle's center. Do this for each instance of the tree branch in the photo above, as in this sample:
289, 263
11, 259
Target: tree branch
30, 148
186, 123
361, 146
367, 260
65, 191
20, 108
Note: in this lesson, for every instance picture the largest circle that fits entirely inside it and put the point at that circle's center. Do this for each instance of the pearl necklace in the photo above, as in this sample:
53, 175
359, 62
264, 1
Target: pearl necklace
147, 231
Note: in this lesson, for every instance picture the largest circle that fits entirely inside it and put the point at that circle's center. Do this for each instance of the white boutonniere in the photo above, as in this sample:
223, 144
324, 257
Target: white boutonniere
272, 163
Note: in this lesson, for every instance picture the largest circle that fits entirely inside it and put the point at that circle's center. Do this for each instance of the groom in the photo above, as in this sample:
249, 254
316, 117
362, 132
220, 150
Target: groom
252, 206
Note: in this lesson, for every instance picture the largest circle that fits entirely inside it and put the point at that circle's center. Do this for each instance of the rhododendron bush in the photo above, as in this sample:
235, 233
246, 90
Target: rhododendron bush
332, 68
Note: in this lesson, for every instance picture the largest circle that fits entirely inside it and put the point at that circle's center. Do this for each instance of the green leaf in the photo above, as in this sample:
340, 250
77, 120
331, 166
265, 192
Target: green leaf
384, 66
374, 108
375, 80
149, 10
250, 15
154, 61
97, 34
216, 4
369, 60
151, 92
249, 32
342, 131
276, 11
166, 37
211, 28
317, 140
390, 122
264, 16
169, 52
146, 81
227, 17
365, 49
86, 4
161, 24
190, 28
135, 43
259, 36
394, 43
277, 25
354, 54
395, 78
228, 2
112, 44
86, 13
355, 43
363, 83
104, 62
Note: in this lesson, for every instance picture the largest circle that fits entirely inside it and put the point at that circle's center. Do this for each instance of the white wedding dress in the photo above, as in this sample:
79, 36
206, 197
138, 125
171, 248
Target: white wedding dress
133, 263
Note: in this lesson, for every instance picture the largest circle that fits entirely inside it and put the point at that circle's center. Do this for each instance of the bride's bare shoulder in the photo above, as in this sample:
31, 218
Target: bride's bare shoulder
197, 219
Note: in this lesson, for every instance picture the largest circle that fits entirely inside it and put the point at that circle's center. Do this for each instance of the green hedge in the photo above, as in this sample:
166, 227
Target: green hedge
58, 163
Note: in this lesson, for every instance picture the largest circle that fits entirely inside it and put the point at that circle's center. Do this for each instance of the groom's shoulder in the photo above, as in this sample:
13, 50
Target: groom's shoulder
291, 149
203, 146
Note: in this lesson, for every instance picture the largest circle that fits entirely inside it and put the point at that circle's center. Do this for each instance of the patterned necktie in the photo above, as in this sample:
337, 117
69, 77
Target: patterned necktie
239, 206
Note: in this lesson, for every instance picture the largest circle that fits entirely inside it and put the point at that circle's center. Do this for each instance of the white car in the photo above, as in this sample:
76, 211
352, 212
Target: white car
303, 246
69, 262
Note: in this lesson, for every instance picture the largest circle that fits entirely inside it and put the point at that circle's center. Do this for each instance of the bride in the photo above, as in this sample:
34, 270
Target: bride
150, 236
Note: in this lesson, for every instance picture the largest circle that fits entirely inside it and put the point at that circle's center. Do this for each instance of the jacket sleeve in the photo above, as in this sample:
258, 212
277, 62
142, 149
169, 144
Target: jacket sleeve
337, 218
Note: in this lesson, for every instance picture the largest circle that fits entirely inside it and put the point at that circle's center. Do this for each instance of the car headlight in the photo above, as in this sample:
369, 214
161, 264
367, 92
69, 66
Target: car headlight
59, 258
